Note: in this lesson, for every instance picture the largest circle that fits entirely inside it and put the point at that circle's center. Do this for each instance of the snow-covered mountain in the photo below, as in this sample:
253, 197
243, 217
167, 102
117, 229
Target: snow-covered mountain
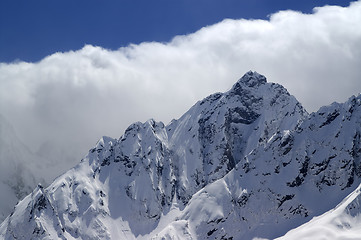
250, 162
297, 175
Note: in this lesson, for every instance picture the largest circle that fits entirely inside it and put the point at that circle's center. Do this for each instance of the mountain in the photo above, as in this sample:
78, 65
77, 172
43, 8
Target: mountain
250, 162
297, 175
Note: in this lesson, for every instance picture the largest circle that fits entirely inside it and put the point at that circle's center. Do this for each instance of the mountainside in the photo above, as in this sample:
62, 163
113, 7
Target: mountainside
341, 223
250, 162
297, 175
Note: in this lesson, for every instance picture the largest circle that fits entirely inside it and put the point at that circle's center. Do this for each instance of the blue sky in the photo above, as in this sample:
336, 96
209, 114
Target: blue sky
31, 30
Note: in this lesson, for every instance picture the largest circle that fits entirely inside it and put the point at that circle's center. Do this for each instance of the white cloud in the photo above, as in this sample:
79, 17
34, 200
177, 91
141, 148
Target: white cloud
73, 98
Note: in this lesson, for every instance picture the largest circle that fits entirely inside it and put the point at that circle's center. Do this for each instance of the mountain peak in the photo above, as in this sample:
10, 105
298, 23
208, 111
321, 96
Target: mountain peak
251, 79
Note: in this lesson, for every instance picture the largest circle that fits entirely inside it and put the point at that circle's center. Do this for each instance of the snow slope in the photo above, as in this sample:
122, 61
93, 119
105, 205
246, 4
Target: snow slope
341, 223
250, 162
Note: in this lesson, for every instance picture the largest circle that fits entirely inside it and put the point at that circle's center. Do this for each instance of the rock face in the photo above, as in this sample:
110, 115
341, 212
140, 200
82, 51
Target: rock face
250, 162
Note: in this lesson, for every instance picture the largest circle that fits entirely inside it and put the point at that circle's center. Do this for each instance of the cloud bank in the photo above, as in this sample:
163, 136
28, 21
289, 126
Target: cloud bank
64, 103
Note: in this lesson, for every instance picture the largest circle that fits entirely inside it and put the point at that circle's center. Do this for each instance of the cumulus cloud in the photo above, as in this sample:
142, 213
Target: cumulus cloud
64, 103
